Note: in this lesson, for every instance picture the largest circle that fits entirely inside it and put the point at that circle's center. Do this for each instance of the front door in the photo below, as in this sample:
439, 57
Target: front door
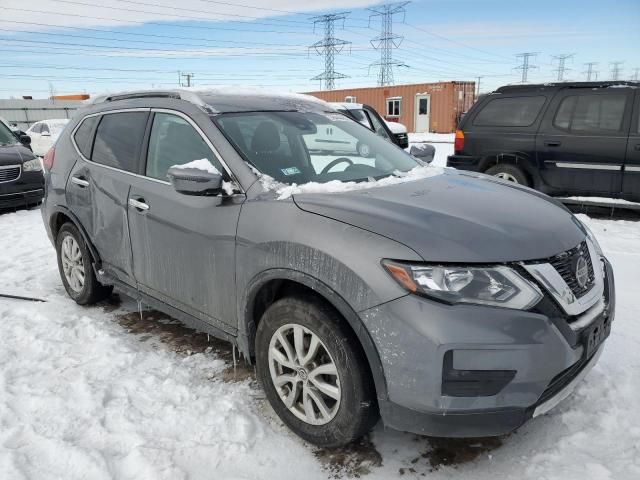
98, 187
631, 179
582, 141
423, 109
183, 245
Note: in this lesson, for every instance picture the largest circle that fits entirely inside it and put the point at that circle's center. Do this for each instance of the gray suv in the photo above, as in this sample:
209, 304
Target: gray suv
362, 283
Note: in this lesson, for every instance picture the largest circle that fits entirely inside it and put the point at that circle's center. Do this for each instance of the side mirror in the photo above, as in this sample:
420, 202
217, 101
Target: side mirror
25, 140
193, 181
424, 152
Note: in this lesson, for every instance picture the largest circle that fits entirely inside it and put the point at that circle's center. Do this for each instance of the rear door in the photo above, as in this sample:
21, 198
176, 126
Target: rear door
98, 187
582, 141
631, 177
183, 245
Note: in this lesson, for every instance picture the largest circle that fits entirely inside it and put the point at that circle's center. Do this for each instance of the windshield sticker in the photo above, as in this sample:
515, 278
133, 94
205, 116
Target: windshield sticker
290, 171
336, 117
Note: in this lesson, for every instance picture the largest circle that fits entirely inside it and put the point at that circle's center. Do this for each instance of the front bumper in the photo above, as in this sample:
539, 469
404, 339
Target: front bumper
27, 190
414, 334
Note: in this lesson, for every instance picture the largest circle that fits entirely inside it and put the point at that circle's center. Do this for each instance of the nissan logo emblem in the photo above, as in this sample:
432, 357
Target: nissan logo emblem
581, 271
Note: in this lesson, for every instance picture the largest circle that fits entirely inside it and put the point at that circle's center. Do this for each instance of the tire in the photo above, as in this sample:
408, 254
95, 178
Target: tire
352, 410
73, 254
509, 173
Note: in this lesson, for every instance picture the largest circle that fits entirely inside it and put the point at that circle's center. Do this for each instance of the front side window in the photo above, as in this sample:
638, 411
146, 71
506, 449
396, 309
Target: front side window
393, 107
361, 117
36, 128
591, 113
174, 141
297, 147
45, 128
510, 112
377, 126
119, 139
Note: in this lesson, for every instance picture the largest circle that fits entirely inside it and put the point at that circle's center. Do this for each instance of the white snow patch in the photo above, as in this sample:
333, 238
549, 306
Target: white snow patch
205, 165
612, 201
285, 191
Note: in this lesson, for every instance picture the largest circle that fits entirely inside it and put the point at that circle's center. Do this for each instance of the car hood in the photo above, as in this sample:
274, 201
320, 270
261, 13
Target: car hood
14, 154
456, 217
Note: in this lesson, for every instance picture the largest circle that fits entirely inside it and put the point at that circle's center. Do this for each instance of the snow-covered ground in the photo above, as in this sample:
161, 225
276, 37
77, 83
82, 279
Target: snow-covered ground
95, 393
443, 142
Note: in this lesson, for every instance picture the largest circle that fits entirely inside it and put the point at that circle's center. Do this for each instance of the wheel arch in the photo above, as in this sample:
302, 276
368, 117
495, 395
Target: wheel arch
519, 159
270, 285
62, 215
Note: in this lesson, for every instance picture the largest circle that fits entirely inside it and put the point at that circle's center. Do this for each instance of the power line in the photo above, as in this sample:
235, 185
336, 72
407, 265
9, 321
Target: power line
526, 64
328, 47
591, 72
616, 70
562, 68
387, 40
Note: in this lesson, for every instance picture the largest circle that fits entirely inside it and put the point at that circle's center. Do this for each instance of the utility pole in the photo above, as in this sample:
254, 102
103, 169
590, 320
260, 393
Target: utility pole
591, 73
479, 77
387, 40
328, 47
526, 64
616, 70
188, 77
562, 58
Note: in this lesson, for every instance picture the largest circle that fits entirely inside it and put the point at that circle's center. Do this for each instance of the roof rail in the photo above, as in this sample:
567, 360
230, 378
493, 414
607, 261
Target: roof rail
179, 94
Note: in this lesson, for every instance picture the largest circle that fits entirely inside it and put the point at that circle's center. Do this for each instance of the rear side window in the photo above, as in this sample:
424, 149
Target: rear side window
510, 112
119, 139
591, 113
83, 136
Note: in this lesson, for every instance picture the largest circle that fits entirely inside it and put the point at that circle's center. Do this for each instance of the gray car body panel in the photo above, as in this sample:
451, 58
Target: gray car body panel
204, 260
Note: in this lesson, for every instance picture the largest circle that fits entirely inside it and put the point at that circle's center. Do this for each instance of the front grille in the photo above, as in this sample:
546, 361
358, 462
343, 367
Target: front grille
10, 173
563, 263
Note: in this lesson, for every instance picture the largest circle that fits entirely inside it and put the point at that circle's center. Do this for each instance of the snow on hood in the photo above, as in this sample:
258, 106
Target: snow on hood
205, 165
285, 191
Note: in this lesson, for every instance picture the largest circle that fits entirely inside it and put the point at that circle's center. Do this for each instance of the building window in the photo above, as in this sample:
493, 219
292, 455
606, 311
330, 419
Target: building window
350, 99
393, 106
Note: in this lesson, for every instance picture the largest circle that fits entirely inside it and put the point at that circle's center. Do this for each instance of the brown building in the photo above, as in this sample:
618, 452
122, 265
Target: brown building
421, 107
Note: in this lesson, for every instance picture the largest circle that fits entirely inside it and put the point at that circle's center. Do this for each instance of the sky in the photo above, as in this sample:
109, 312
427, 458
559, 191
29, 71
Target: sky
94, 46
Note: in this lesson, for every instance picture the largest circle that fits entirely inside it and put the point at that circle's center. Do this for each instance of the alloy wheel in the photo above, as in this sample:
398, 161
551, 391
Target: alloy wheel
304, 374
72, 263
506, 176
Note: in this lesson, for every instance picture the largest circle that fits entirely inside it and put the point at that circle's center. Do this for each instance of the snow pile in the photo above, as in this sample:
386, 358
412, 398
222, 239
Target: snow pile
205, 165
285, 191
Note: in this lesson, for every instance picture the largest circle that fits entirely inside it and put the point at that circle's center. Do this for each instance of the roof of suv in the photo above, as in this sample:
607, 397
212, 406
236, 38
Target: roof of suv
560, 85
227, 100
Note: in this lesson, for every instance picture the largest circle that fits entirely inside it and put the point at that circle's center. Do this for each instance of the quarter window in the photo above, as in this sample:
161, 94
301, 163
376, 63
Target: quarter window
591, 113
83, 136
510, 112
393, 107
174, 141
119, 139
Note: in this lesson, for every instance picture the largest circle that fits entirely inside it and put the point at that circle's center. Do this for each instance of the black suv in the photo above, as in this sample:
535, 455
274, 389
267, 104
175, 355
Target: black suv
578, 138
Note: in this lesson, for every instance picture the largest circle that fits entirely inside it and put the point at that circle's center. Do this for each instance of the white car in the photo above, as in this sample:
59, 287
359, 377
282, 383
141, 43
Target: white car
45, 133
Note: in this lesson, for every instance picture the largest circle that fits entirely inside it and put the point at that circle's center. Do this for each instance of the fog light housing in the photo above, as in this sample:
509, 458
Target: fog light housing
472, 383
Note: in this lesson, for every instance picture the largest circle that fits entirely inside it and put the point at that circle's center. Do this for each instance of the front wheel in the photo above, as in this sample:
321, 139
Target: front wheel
75, 266
313, 373
509, 173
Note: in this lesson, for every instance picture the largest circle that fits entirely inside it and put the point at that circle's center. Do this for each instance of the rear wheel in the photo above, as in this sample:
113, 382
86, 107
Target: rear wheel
76, 269
509, 173
313, 373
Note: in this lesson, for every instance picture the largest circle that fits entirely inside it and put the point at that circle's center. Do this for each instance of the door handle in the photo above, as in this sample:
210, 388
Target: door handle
80, 181
553, 143
139, 204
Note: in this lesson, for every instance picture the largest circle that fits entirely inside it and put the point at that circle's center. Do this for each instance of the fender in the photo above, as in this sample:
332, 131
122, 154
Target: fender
246, 325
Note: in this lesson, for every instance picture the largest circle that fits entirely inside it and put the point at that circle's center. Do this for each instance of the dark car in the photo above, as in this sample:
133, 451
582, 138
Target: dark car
368, 116
361, 282
562, 139
21, 176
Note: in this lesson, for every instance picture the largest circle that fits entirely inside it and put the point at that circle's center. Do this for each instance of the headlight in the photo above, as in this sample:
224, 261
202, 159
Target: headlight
592, 238
496, 286
34, 165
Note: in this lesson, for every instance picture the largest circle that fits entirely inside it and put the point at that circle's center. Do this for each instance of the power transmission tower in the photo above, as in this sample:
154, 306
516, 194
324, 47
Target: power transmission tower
387, 40
562, 58
636, 74
188, 77
591, 73
616, 70
328, 47
526, 64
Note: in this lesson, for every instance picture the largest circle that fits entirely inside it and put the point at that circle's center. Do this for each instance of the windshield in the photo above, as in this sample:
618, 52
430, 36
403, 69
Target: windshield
296, 147
6, 136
